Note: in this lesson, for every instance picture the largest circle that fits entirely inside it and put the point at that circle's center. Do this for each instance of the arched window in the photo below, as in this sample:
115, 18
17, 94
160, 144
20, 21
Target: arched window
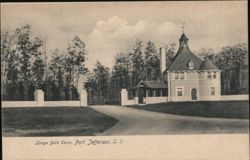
191, 65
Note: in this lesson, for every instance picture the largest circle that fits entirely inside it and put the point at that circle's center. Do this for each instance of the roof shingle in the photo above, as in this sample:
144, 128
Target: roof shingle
207, 65
182, 58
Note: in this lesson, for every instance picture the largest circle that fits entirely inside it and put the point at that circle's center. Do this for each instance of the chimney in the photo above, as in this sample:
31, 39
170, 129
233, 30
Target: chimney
163, 59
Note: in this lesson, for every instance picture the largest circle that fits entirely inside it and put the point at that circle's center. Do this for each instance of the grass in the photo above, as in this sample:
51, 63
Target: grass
54, 121
218, 109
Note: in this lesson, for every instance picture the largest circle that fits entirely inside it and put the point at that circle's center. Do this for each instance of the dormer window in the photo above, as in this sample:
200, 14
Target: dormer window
183, 43
214, 75
191, 65
209, 75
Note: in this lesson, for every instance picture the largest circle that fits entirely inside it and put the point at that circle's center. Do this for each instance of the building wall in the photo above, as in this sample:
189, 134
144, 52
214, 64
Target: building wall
197, 80
190, 81
206, 84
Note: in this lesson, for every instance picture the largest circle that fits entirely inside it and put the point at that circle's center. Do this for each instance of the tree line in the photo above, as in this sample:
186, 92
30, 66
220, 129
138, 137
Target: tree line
142, 62
25, 66
233, 63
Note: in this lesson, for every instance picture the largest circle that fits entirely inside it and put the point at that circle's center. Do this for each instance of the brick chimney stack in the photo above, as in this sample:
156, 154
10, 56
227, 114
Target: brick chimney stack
163, 59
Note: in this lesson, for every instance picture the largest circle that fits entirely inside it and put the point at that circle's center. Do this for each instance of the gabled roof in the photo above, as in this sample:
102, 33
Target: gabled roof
182, 58
152, 84
207, 65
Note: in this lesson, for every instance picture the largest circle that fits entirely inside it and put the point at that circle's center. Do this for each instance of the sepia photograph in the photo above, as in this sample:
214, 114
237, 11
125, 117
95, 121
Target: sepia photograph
124, 69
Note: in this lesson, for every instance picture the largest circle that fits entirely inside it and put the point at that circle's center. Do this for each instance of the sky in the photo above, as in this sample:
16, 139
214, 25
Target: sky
108, 28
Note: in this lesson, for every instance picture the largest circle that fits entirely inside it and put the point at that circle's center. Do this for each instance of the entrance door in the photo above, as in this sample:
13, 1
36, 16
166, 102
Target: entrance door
194, 94
140, 95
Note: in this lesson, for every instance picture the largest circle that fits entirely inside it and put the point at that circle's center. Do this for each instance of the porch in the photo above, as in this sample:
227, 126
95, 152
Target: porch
149, 92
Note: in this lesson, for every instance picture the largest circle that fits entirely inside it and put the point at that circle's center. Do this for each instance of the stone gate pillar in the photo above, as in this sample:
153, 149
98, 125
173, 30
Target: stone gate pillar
136, 100
39, 97
83, 98
124, 96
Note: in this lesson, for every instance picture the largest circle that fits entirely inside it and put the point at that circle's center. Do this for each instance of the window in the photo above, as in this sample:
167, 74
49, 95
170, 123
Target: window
164, 92
214, 75
179, 75
209, 75
157, 94
179, 91
150, 93
176, 76
182, 75
212, 91
190, 65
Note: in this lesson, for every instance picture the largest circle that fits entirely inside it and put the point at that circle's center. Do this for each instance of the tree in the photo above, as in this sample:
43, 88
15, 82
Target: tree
207, 53
17, 57
38, 71
120, 76
26, 48
120, 70
57, 79
9, 63
170, 51
152, 62
75, 62
102, 78
232, 60
137, 63
97, 83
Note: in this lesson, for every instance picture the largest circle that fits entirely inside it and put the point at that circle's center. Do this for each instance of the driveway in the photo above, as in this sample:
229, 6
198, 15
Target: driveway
140, 122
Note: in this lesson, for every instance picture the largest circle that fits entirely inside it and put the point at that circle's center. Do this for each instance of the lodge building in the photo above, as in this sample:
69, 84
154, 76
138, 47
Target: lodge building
187, 78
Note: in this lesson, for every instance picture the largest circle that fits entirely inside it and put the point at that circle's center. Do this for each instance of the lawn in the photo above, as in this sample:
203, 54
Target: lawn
218, 109
54, 121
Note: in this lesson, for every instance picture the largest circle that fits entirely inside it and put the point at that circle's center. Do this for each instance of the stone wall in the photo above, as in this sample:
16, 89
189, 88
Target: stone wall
152, 100
124, 99
234, 97
39, 101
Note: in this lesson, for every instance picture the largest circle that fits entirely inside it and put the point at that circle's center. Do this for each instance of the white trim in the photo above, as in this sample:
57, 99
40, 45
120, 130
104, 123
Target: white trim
176, 93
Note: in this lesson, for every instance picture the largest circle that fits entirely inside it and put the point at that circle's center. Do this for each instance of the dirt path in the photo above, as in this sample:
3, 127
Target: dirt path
140, 122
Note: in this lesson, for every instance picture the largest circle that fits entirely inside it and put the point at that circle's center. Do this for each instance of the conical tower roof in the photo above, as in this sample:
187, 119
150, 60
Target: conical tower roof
184, 56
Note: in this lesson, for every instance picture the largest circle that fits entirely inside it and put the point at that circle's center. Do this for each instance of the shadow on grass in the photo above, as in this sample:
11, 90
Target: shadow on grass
54, 121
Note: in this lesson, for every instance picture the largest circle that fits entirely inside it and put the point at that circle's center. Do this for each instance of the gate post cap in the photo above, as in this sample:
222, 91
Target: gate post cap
83, 91
124, 90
